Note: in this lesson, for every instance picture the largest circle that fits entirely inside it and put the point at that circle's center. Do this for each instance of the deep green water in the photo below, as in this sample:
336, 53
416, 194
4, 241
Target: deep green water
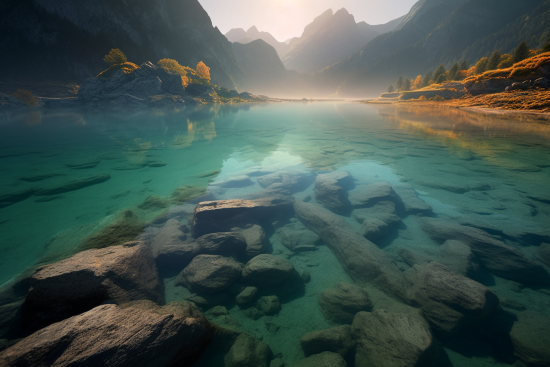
466, 166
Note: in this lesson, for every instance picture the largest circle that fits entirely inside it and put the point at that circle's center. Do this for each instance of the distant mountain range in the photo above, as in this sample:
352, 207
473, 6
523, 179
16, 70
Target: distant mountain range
330, 38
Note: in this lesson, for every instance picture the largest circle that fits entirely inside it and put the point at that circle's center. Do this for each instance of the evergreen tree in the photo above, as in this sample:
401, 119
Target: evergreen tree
453, 70
494, 60
407, 85
399, 84
440, 71
428, 78
481, 65
522, 52
441, 79
391, 89
115, 57
464, 65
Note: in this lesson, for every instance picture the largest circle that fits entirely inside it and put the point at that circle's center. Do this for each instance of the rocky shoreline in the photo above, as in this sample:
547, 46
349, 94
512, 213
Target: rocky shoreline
108, 306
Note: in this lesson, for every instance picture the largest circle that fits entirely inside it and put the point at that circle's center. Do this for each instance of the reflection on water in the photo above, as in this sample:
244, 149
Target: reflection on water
116, 175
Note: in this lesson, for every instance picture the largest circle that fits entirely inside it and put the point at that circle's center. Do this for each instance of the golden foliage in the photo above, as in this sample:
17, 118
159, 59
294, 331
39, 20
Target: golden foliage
172, 66
127, 67
114, 57
26, 96
506, 61
203, 71
520, 69
417, 83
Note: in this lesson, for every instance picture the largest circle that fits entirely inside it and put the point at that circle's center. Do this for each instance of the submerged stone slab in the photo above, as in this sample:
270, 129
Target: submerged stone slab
141, 335
377, 220
341, 302
452, 302
222, 215
530, 337
254, 236
393, 339
222, 243
544, 253
267, 270
297, 238
371, 194
336, 340
331, 190
458, 257
362, 259
291, 181
410, 200
235, 182
501, 259
210, 273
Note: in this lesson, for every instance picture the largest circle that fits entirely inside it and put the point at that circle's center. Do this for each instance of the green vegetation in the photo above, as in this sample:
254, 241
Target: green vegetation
118, 61
494, 60
26, 96
115, 57
391, 89
521, 52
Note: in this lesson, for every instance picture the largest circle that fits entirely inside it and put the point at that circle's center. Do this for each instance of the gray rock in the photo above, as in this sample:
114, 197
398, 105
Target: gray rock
336, 340
393, 339
512, 304
142, 334
217, 311
458, 257
297, 238
248, 295
341, 302
362, 259
173, 84
206, 301
254, 236
170, 246
200, 90
269, 305
377, 220
501, 259
413, 258
544, 253
325, 359
331, 190
452, 302
122, 273
222, 215
519, 86
267, 270
75, 184
410, 200
210, 273
542, 83
290, 181
371, 194
140, 87
530, 337
277, 363
235, 182
222, 243
248, 352
91, 88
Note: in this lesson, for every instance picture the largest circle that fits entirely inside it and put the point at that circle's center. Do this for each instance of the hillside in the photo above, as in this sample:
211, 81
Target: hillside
241, 36
435, 32
74, 36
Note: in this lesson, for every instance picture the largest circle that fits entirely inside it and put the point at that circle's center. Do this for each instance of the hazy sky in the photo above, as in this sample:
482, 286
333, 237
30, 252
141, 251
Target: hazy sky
287, 18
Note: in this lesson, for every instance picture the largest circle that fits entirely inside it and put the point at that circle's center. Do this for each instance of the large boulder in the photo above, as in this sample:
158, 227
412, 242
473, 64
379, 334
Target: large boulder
222, 243
369, 195
412, 204
362, 259
501, 259
210, 273
254, 236
331, 189
248, 352
393, 339
542, 83
325, 359
171, 246
377, 220
142, 334
458, 257
337, 340
530, 337
341, 302
269, 305
222, 215
452, 302
267, 270
297, 238
122, 273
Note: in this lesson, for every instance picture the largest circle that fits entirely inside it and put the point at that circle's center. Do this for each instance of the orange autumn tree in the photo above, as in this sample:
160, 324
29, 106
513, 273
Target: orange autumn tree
173, 67
418, 82
203, 71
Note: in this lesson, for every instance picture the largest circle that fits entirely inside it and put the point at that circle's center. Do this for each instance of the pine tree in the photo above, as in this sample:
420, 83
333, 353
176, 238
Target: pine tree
494, 60
464, 65
399, 84
407, 85
481, 65
441, 79
391, 89
440, 71
522, 52
427, 78
453, 71
115, 57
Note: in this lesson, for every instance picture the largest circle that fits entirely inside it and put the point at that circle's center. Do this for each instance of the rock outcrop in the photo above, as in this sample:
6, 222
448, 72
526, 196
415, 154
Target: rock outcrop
210, 273
141, 334
341, 302
331, 189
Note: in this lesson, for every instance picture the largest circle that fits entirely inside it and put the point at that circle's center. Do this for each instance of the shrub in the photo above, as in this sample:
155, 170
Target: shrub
115, 56
26, 96
418, 83
437, 98
422, 98
506, 61
203, 71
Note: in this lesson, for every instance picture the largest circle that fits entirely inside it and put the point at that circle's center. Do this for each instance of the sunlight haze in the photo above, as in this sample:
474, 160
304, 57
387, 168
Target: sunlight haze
286, 18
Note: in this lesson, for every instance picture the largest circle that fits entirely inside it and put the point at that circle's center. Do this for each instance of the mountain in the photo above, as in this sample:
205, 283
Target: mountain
383, 28
48, 39
241, 36
435, 32
327, 40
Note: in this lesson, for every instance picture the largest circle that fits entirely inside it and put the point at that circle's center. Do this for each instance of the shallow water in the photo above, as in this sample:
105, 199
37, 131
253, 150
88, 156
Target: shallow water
490, 171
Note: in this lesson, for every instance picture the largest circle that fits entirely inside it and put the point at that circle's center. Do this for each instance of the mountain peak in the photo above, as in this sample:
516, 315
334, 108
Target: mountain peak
253, 29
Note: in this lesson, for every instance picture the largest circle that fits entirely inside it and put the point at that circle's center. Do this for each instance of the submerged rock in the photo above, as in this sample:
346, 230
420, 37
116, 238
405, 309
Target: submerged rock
458, 257
530, 337
267, 270
336, 340
297, 238
234, 182
544, 253
290, 181
222, 215
222, 243
331, 190
246, 296
393, 339
362, 259
171, 246
140, 335
210, 273
254, 236
248, 352
377, 220
410, 200
122, 273
452, 302
371, 194
269, 305
325, 359
501, 259
73, 185
341, 302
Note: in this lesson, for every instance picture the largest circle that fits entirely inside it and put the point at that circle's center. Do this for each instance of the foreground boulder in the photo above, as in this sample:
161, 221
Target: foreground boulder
222, 215
377, 220
222, 243
210, 274
267, 270
362, 259
325, 359
331, 190
393, 339
341, 302
171, 246
530, 337
142, 334
122, 273
248, 352
452, 302
501, 259
254, 236
336, 340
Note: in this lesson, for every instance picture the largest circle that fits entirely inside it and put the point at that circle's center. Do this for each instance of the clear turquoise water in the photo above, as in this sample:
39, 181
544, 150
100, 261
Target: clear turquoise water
440, 152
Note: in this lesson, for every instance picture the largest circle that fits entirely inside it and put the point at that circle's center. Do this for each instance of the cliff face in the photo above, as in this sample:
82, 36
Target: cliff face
52, 39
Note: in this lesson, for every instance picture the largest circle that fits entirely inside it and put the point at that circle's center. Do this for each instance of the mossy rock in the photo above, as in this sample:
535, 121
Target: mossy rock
154, 202
185, 193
